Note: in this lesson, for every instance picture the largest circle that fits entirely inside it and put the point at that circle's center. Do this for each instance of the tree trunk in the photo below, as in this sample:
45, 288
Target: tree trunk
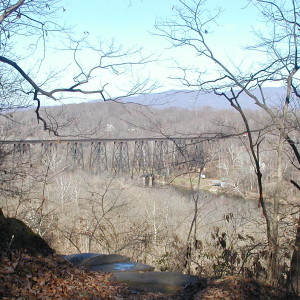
273, 261
294, 276
273, 243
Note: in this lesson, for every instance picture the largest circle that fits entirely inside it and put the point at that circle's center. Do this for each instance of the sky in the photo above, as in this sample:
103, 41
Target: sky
131, 24
132, 21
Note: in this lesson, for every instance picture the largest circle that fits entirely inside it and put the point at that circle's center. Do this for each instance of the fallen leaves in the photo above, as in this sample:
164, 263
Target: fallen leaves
37, 277
9, 266
7, 270
24, 276
239, 288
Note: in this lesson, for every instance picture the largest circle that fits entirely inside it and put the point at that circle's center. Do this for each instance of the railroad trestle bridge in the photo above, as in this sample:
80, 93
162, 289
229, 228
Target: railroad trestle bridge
130, 155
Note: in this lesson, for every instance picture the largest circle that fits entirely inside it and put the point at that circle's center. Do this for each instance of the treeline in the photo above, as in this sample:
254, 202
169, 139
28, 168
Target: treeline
119, 120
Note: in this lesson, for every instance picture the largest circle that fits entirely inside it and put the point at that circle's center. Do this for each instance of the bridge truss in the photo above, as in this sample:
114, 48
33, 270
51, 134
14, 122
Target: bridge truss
135, 156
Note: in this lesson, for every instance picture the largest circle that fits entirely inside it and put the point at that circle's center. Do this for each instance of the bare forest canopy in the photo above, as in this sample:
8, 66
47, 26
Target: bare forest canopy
172, 113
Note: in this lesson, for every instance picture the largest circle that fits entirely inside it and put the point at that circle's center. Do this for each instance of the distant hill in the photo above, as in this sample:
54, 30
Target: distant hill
194, 99
174, 112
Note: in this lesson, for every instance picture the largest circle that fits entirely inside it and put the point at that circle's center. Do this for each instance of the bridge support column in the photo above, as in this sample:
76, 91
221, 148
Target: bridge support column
141, 158
21, 151
48, 148
48, 154
75, 153
180, 155
197, 154
98, 158
148, 180
120, 158
160, 153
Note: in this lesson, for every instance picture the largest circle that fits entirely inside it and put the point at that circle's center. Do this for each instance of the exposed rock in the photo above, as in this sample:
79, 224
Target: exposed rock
128, 266
76, 259
163, 282
15, 235
136, 275
101, 259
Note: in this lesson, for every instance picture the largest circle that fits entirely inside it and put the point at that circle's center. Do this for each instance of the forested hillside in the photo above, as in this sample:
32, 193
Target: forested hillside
119, 120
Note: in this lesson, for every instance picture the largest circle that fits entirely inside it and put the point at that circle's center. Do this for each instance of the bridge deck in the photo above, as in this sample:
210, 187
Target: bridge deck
91, 140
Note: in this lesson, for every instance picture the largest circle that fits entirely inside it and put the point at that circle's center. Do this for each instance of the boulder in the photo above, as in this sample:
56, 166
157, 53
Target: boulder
102, 259
16, 235
163, 282
77, 259
128, 266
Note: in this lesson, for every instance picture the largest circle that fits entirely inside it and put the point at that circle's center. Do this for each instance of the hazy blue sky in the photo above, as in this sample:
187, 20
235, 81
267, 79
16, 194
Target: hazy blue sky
131, 22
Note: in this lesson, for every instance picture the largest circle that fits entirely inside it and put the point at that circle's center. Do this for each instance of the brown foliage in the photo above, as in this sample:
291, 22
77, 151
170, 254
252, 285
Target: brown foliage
36, 277
239, 288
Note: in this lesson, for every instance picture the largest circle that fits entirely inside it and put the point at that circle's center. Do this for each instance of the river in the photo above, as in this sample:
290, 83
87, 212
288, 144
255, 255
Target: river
223, 211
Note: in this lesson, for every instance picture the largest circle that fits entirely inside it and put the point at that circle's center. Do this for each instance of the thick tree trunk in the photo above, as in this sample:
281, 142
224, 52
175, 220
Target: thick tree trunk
294, 276
273, 261
273, 243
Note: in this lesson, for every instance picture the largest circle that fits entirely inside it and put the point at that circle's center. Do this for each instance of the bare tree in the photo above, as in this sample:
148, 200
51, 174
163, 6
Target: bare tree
33, 39
191, 28
31, 25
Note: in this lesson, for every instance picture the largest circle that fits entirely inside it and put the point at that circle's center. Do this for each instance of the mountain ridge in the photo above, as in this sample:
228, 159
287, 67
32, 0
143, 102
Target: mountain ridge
195, 99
